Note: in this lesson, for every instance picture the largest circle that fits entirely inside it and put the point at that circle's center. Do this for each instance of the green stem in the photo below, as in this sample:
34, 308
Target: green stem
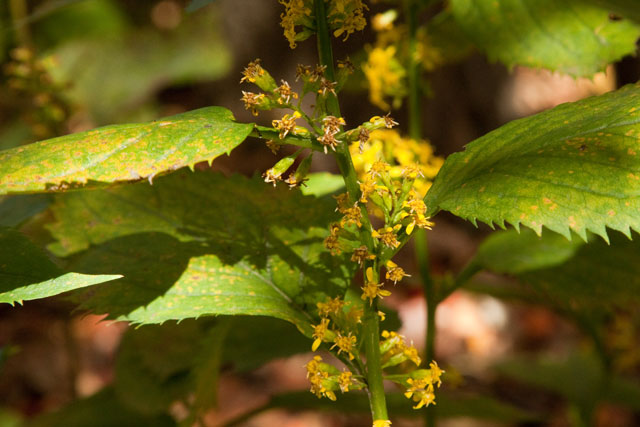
19, 14
375, 387
268, 133
370, 330
343, 157
413, 71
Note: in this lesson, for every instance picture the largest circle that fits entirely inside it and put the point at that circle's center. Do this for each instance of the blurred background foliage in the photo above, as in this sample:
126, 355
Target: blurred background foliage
534, 354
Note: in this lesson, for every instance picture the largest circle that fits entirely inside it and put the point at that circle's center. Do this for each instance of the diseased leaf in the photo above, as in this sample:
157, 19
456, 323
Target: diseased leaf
569, 36
573, 168
119, 153
27, 273
226, 246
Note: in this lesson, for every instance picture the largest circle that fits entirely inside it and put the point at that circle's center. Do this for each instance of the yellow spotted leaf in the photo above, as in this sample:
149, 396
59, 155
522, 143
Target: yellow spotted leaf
573, 168
120, 153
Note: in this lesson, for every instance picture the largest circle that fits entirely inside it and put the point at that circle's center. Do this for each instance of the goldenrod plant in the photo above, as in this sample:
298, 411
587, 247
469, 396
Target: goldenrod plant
142, 234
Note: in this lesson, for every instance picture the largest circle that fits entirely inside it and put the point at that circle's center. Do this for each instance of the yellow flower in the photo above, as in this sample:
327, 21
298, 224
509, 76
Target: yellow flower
371, 289
331, 243
285, 93
395, 273
387, 236
421, 392
410, 159
385, 75
345, 380
252, 72
319, 378
286, 124
381, 423
319, 332
346, 16
254, 101
361, 254
352, 215
345, 343
332, 306
297, 13
436, 373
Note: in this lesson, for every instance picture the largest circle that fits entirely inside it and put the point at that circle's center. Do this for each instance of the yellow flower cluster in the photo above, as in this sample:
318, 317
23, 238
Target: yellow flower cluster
395, 351
420, 387
346, 322
297, 13
343, 16
324, 378
371, 289
405, 155
346, 17
385, 75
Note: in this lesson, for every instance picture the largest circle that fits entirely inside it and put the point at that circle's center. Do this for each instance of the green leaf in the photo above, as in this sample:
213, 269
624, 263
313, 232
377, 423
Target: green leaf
9, 418
569, 36
447, 42
250, 343
598, 278
591, 279
149, 59
120, 153
103, 409
573, 168
155, 362
76, 20
160, 364
626, 8
579, 378
27, 273
227, 245
513, 253
321, 184
14, 210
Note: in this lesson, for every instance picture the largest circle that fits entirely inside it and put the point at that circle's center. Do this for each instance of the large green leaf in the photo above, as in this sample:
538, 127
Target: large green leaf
513, 253
225, 245
14, 210
592, 279
148, 60
569, 36
159, 364
118, 153
27, 273
155, 364
575, 167
579, 378
626, 8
